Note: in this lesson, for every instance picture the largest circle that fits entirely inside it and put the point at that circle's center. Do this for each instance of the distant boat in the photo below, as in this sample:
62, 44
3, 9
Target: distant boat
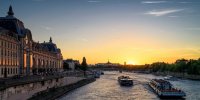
168, 77
165, 89
125, 81
120, 71
97, 74
102, 73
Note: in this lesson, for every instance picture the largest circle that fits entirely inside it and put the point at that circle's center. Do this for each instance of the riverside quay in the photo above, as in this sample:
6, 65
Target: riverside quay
21, 55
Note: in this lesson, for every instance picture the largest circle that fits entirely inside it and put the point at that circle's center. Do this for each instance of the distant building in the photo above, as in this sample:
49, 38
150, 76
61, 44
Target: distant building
108, 64
20, 54
71, 63
124, 63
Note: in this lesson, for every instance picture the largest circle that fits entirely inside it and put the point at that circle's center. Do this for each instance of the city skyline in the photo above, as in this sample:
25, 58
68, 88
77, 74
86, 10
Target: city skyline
137, 32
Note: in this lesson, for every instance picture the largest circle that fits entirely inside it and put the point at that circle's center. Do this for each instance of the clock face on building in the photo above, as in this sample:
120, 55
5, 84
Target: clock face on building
26, 39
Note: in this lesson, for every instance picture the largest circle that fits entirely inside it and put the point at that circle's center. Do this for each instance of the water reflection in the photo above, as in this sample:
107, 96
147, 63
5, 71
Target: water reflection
107, 88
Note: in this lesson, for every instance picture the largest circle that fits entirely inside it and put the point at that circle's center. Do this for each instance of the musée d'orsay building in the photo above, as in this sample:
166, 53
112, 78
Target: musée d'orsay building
21, 55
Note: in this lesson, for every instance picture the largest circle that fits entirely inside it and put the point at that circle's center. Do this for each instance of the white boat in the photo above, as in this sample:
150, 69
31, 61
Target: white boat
164, 88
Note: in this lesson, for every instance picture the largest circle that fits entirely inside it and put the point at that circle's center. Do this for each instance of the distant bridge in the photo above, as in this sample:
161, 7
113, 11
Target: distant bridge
107, 68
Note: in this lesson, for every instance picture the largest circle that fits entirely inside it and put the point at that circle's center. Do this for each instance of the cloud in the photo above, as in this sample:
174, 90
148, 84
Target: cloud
82, 39
173, 16
163, 12
153, 2
46, 28
185, 2
94, 1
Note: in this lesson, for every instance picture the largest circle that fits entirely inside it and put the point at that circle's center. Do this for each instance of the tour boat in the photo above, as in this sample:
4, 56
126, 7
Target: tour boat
125, 81
164, 88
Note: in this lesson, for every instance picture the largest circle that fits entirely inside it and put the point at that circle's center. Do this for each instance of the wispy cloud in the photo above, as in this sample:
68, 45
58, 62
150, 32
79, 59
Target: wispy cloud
153, 2
173, 16
82, 39
185, 2
163, 12
46, 27
94, 1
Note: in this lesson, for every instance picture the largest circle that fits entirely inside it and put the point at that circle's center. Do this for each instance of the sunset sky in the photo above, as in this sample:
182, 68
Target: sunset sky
135, 31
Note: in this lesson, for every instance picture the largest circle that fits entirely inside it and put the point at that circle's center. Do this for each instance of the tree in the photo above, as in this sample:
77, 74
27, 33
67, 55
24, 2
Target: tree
84, 65
158, 66
194, 67
181, 65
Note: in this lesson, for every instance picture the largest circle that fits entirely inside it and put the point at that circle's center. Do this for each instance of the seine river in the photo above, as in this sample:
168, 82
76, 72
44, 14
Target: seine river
107, 88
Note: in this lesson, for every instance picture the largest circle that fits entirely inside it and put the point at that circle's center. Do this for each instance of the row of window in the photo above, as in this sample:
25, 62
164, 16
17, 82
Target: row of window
8, 71
45, 64
9, 53
48, 64
8, 45
10, 62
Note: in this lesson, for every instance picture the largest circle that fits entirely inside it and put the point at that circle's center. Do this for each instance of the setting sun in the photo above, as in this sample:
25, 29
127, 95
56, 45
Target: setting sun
130, 62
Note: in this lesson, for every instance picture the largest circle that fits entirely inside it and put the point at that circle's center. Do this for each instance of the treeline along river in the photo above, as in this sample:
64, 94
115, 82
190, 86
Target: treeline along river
107, 88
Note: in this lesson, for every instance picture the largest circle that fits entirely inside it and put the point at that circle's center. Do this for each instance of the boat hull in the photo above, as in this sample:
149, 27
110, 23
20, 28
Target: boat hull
125, 82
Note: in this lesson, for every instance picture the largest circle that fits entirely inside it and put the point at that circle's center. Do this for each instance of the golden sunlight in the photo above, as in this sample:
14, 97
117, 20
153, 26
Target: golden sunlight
130, 62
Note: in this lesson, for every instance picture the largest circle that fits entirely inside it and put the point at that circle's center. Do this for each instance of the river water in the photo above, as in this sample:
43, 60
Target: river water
108, 88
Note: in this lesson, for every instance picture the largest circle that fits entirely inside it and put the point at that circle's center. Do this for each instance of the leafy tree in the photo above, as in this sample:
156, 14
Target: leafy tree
181, 65
158, 66
84, 65
194, 67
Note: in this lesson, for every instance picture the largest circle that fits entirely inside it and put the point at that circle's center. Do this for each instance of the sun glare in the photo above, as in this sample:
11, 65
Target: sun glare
130, 62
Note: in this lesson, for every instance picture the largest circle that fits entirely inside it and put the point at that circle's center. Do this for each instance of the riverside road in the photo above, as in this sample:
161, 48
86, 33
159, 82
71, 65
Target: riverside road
107, 88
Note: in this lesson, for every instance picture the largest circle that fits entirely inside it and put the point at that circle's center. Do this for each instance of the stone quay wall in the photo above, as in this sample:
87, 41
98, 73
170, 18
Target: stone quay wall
56, 92
25, 91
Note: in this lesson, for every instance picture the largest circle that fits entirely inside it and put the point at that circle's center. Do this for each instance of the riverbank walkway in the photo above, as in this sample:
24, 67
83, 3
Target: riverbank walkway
15, 81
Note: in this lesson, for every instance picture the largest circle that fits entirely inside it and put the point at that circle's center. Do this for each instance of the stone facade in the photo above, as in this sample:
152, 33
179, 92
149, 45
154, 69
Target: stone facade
21, 55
